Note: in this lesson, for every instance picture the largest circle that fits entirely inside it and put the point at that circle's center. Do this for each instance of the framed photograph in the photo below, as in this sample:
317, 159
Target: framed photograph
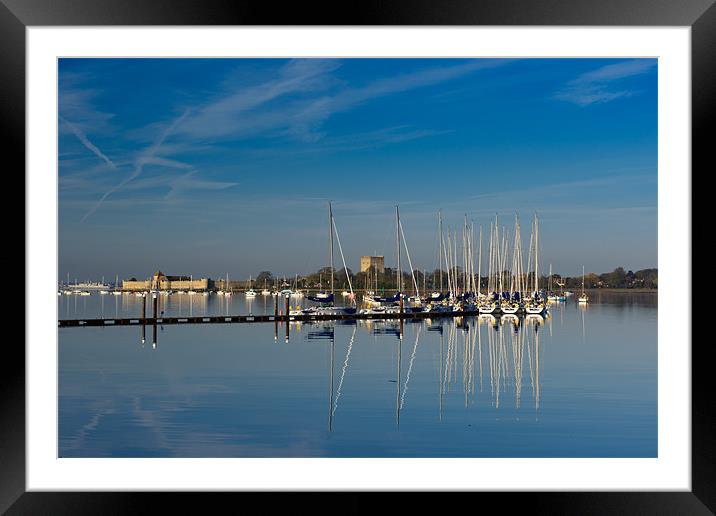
422, 249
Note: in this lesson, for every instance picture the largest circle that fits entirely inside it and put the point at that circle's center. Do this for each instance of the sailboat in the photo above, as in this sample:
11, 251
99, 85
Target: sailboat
251, 292
488, 305
437, 296
583, 299
104, 290
562, 294
116, 291
536, 306
551, 296
326, 299
227, 291
296, 292
387, 304
513, 305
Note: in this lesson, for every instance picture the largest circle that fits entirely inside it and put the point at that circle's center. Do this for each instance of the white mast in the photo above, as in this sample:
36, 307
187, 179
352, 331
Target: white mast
536, 254
479, 265
440, 258
330, 238
397, 241
410, 262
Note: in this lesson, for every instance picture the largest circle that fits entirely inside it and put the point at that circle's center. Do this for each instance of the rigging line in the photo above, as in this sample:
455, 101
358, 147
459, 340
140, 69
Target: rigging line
407, 252
345, 267
343, 372
410, 367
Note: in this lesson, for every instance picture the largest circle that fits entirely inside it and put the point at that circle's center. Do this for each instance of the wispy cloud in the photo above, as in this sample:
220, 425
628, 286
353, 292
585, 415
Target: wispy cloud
188, 182
238, 114
77, 102
147, 156
304, 121
293, 105
226, 115
82, 137
601, 85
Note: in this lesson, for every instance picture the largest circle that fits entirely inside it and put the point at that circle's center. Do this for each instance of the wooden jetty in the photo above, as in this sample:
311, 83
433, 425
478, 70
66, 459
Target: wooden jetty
227, 319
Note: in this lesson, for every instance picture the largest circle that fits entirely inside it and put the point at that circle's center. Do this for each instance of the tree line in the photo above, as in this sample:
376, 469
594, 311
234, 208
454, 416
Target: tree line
431, 280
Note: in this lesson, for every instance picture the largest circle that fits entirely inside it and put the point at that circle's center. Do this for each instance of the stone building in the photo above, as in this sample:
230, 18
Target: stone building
377, 262
160, 281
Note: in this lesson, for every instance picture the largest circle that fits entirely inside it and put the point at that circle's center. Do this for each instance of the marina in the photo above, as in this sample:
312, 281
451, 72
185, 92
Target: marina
510, 287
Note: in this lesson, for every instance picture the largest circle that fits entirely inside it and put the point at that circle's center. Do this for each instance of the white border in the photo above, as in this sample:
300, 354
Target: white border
670, 471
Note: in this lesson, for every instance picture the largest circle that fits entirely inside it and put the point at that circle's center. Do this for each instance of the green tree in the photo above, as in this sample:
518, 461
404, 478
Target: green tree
264, 278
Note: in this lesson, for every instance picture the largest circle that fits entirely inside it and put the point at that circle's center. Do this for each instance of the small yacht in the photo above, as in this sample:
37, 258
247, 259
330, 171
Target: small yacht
488, 308
510, 308
535, 308
251, 292
583, 299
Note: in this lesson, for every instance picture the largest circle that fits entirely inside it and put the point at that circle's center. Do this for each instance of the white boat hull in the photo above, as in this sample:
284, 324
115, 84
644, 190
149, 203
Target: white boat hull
488, 309
535, 310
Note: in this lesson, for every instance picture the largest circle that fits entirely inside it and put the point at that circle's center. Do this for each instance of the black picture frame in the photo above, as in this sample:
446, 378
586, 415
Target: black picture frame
700, 15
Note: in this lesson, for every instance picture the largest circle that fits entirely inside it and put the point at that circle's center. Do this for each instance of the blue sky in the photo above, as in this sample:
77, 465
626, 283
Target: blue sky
209, 166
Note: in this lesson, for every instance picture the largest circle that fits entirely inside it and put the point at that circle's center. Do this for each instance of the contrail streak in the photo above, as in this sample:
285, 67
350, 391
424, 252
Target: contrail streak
139, 165
82, 137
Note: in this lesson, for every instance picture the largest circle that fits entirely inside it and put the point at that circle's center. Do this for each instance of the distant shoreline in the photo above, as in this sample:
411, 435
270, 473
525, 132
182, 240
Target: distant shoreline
624, 290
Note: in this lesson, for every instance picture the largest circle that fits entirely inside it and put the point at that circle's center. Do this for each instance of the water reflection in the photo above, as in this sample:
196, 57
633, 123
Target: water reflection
510, 343
199, 304
470, 386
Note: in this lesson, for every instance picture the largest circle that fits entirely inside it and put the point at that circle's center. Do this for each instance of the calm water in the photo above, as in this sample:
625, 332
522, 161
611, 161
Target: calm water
581, 383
